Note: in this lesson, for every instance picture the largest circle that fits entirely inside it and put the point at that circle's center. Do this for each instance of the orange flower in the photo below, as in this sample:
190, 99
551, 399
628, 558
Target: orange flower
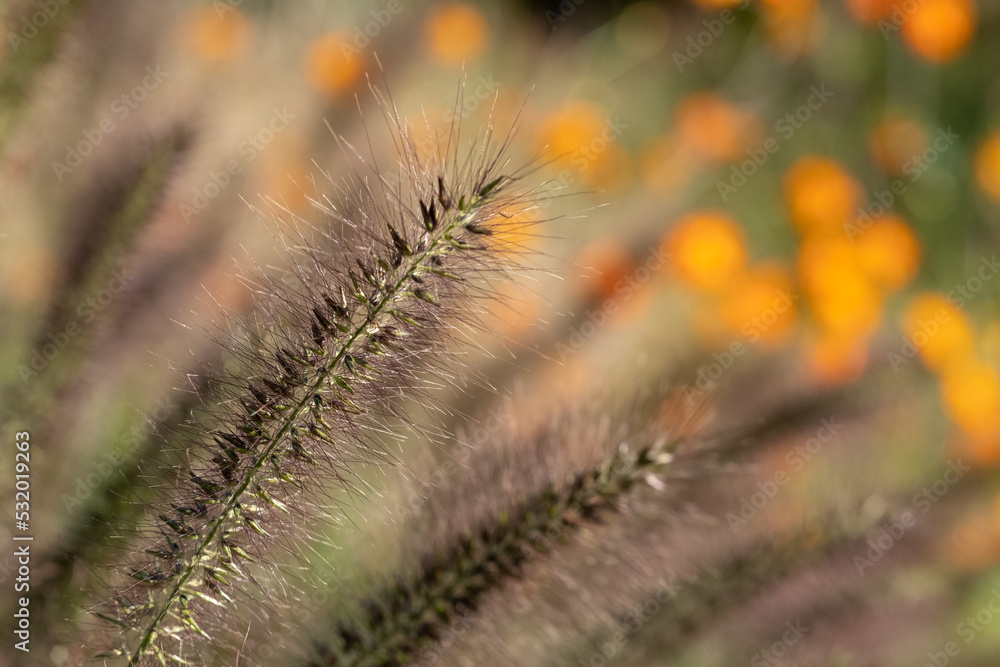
573, 134
333, 63
832, 359
889, 253
843, 299
791, 24
219, 37
871, 11
940, 30
455, 33
605, 263
970, 390
939, 331
706, 249
988, 166
896, 141
821, 195
714, 130
760, 305
983, 451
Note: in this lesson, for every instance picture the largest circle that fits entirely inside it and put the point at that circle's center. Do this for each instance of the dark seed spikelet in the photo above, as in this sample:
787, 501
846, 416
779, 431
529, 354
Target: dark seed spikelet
573, 471
369, 300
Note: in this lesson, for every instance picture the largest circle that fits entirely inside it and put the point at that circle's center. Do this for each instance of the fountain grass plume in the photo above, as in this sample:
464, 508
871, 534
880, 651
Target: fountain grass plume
369, 299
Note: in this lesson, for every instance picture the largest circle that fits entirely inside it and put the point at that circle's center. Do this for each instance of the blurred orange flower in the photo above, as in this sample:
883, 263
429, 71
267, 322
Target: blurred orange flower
713, 130
821, 195
791, 24
215, 36
832, 359
333, 64
871, 11
574, 134
970, 389
515, 233
939, 331
456, 33
760, 305
895, 142
706, 249
940, 30
987, 165
842, 298
889, 253
605, 263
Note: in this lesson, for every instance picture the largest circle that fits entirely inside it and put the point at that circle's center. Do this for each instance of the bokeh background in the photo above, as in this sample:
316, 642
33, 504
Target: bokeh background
754, 201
